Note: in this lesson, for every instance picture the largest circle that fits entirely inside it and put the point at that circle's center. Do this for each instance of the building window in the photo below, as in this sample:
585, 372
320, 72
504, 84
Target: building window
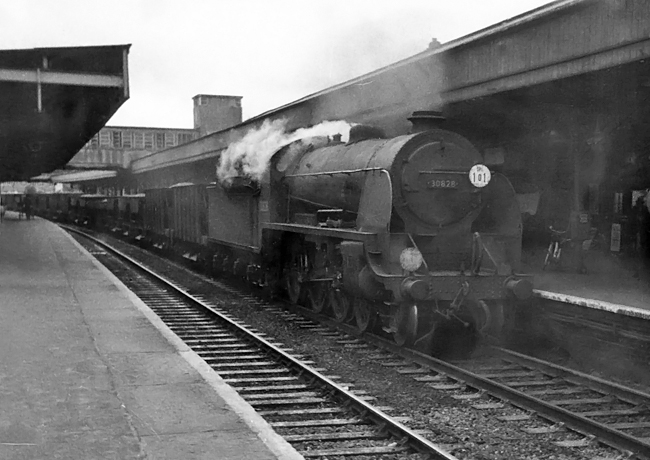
104, 138
148, 141
127, 140
184, 138
138, 140
169, 139
94, 142
160, 140
117, 139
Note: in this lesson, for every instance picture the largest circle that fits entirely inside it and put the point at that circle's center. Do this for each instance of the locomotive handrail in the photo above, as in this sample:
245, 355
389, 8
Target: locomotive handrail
444, 171
331, 173
323, 205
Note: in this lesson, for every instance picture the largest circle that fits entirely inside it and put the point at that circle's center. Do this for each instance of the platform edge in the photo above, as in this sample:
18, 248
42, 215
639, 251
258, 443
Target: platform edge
276, 444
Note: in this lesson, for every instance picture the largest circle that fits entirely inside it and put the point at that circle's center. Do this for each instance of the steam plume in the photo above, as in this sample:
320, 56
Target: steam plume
251, 154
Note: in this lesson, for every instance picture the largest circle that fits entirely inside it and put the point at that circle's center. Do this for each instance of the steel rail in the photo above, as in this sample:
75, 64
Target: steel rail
571, 420
624, 393
387, 424
578, 423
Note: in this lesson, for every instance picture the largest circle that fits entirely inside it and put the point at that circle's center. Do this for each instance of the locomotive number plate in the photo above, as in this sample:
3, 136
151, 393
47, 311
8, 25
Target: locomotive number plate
442, 183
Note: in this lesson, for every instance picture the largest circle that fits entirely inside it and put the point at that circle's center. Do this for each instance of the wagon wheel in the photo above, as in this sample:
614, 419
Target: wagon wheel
364, 315
317, 296
404, 324
340, 304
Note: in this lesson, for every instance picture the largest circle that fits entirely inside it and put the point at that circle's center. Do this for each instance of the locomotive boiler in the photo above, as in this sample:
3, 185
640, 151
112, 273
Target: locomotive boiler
411, 233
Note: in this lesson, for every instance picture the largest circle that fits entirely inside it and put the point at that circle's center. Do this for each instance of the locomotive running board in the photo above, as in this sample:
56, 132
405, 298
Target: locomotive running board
321, 231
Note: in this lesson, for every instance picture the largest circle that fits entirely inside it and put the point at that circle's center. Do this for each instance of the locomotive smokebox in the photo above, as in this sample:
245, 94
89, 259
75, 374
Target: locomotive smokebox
424, 120
242, 185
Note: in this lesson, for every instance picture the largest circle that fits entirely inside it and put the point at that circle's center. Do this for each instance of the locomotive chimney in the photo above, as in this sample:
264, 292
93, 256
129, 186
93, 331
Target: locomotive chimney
424, 120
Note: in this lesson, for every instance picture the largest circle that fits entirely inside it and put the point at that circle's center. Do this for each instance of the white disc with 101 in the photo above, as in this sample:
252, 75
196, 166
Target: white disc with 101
479, 175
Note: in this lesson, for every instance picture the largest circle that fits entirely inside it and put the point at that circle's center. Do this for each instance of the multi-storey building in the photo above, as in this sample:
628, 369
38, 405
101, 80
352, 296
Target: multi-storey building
117, 146
114, 147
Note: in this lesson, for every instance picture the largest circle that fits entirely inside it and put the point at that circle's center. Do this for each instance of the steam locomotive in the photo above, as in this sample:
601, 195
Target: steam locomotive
410, 235
412, 232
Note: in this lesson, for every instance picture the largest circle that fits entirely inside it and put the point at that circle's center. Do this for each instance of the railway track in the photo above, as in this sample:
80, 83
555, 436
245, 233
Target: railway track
320, 417
596, 409
586, 408
570, 401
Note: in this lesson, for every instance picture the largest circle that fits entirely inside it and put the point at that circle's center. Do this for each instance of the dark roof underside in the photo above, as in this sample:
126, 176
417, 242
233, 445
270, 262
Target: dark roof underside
52, 101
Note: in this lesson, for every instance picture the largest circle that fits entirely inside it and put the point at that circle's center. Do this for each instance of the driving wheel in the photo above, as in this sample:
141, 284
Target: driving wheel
364, 315
340, 304
405, 324
293, 283
317, 296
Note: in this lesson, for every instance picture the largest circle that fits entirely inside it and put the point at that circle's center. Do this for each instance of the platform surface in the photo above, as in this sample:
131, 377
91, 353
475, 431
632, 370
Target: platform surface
84, 374
609, 278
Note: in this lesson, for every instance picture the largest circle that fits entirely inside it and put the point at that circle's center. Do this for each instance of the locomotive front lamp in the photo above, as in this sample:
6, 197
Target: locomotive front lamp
410, 259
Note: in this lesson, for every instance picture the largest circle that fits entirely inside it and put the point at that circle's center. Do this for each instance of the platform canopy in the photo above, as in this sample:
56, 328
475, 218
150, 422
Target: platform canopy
53, 101
84, 176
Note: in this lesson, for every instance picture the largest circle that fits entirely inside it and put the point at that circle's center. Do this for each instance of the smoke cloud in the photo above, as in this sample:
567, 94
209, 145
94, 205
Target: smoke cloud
250, 155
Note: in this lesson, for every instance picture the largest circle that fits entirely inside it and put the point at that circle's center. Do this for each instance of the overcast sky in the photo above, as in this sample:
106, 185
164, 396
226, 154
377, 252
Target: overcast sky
271, 52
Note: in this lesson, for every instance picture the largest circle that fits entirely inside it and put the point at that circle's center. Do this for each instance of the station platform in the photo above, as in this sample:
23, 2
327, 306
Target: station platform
87, 371
610, 282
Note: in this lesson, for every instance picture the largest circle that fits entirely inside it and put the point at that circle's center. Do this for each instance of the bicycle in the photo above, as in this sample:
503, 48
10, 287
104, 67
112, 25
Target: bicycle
554, 251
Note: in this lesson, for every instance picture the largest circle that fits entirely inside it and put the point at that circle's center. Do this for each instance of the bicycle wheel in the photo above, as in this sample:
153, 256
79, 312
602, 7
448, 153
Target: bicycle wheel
549, 256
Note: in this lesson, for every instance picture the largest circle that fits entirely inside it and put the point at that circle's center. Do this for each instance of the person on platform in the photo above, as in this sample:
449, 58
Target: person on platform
645, 229
27, 204
641, 231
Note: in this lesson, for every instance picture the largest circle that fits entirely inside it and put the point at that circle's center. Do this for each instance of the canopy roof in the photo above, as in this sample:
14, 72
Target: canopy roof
53, 101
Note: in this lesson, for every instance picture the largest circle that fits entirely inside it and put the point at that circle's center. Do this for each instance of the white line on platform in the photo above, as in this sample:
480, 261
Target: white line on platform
595, 304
